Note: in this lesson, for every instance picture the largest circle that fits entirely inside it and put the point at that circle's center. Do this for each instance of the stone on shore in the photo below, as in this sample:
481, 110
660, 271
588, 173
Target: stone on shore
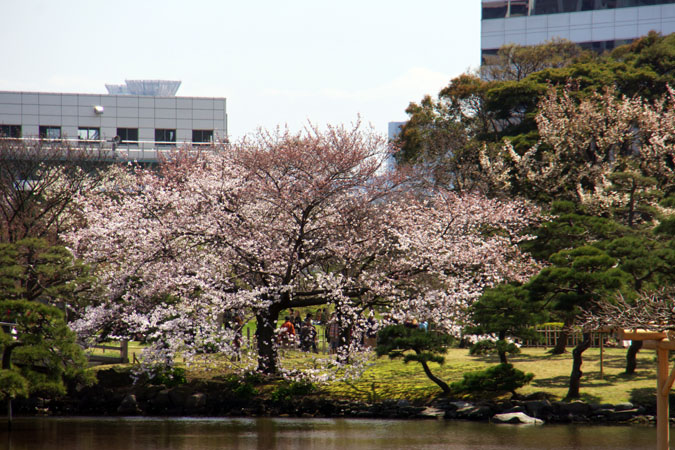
516, 418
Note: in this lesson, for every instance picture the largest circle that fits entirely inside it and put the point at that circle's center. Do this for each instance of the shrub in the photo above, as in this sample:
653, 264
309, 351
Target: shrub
287, 391
493, 380
169, 377
488, 347
484, 347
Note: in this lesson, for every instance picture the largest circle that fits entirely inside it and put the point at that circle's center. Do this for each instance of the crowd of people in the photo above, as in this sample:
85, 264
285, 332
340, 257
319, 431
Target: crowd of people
297, 332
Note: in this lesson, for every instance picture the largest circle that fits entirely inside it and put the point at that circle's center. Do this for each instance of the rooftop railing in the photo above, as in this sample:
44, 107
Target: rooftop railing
140, 151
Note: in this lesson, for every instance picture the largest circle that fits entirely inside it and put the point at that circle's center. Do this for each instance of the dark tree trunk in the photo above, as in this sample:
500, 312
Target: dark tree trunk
266, 337
6, 365
561, 343
501, 348
442, 384
631, 356
575, 376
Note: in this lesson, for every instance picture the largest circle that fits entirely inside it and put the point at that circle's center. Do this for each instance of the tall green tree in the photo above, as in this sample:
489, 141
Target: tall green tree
38, 282
575, 281
507, 311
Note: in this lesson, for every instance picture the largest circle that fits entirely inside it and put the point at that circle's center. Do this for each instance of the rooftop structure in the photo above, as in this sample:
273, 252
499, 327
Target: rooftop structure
155, 88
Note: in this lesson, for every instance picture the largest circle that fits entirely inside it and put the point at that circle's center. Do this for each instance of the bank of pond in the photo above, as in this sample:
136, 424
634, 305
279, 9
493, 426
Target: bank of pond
116, 394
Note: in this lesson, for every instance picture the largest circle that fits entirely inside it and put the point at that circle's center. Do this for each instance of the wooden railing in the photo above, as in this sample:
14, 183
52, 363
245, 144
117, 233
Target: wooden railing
549, 337
122, 358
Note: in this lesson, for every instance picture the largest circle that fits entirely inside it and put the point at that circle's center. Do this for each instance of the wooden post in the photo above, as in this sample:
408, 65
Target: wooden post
124, 352
602, 348
662, 413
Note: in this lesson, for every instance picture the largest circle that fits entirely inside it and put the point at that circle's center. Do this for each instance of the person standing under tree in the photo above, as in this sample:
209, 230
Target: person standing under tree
287, 333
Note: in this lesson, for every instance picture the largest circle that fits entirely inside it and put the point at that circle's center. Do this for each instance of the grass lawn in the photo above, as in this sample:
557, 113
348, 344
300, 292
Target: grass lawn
392, 379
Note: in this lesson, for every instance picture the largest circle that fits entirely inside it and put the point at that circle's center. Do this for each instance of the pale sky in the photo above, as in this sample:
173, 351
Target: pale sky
278, 62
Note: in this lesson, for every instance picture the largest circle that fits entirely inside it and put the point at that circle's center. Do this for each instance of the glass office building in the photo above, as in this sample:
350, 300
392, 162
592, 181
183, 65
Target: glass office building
597, 24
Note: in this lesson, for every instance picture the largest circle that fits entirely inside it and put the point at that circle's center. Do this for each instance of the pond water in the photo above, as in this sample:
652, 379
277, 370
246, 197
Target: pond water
307, 434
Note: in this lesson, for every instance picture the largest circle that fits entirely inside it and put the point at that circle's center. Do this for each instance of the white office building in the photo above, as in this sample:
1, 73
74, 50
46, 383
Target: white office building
596, 24
139, 116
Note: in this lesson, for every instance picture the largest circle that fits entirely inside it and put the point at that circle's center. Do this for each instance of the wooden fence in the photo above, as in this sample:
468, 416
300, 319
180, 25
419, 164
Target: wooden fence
119, 354
549, 336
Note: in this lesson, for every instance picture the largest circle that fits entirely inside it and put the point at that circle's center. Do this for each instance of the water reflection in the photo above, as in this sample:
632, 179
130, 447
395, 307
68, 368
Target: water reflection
309, 434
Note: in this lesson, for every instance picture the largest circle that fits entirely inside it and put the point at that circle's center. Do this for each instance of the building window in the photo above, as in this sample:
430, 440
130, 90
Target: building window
10, 131
165, 136
50, 132
89, 134
202, 136
128, 136
518, 8
495, 9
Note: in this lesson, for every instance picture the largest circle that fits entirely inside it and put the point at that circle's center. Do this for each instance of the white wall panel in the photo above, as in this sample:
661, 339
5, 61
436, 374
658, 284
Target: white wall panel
108, 101
110, 122
165, 103
558, 20
185, 124
146, 102
69, 121
147, 123
184, 103
128, 122
602, 34
69, 99
49, 110
49, 99
163, 113
202, 114
69, 111
9, 119
165, 123
50, 120
127, 112
10, 98
516, 38
492, 25
29, 99
202, 124
580, 35
89, 122
147, 113
536, 23
29, 109
202, 103
88, 100
493, 41
649, 12
605, 16
10, 108
29, 119
127, 101
626, 31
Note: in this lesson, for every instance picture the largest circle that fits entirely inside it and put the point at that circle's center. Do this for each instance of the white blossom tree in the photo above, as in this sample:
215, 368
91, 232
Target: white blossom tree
607, 152
282, 221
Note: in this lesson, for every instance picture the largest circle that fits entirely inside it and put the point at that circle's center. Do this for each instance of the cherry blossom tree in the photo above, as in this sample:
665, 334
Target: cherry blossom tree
283, 220
38, 182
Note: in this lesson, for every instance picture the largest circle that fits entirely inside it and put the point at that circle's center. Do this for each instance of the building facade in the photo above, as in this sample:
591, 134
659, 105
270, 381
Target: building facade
596, 24
134, 118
